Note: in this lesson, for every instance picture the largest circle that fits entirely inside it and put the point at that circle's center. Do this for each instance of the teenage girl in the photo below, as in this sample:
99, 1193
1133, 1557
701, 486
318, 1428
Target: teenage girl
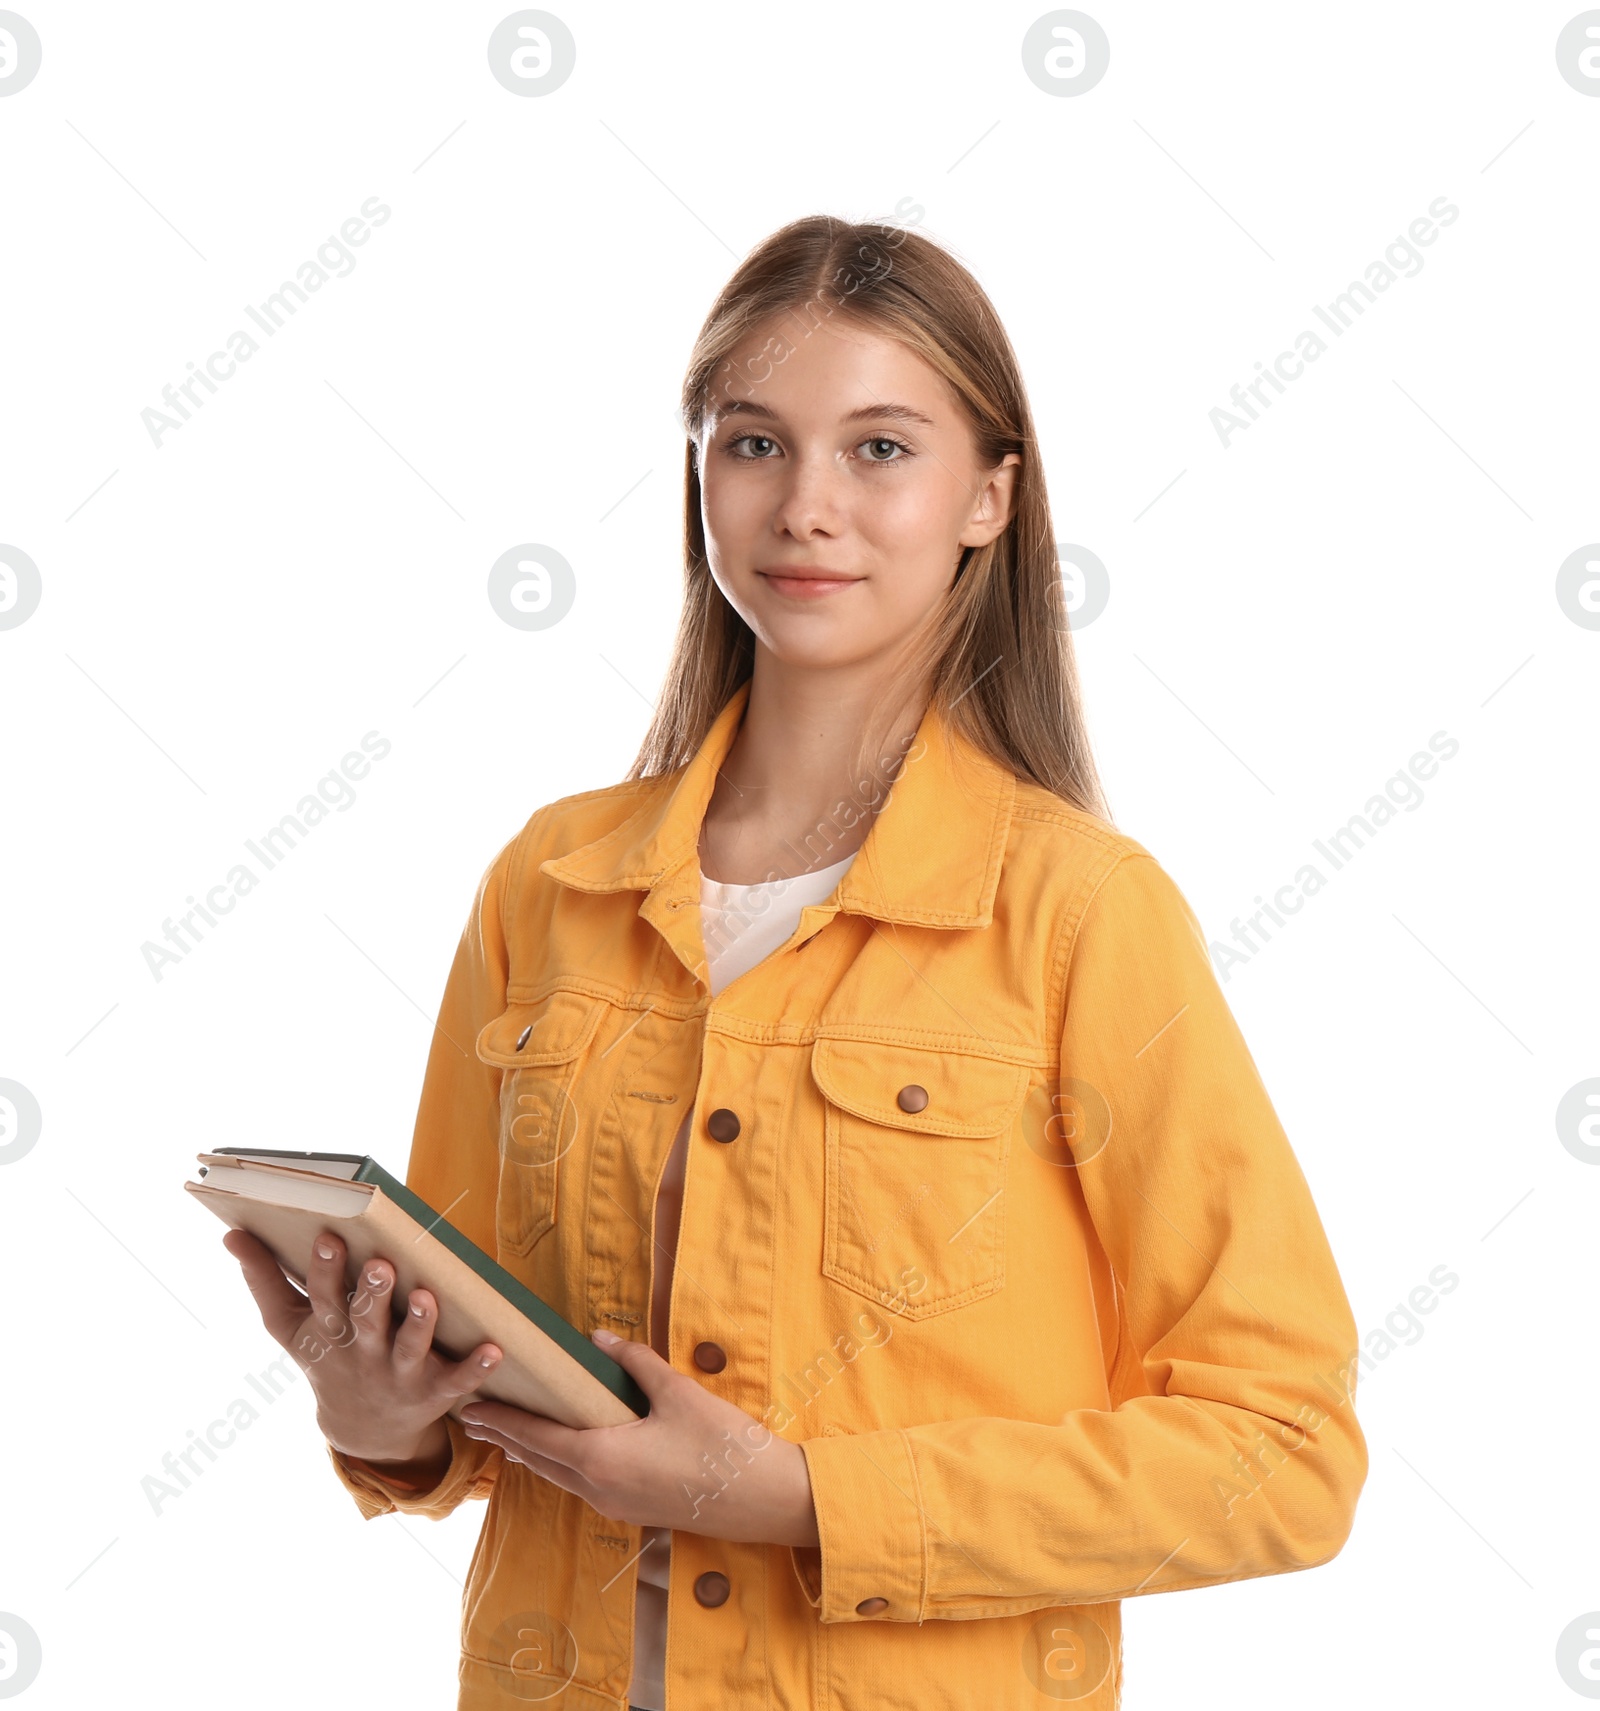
866, 1094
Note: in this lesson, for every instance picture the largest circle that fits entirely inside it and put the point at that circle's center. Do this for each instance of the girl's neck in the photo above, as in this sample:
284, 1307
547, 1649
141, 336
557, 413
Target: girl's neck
813, 759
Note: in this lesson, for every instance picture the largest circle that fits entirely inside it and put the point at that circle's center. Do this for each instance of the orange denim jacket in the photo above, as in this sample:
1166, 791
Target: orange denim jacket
1009, 1238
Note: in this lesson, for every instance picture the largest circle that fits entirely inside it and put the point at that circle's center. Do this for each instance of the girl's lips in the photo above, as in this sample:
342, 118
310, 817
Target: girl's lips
808, 587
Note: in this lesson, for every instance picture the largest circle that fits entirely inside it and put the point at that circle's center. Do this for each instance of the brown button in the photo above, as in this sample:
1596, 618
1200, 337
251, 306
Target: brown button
912, 1098
522, 1038
871, 1606
711, 1590
710, 1357
723, 1125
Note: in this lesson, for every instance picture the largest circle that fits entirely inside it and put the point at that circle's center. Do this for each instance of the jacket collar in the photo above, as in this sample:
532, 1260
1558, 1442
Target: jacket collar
931, 859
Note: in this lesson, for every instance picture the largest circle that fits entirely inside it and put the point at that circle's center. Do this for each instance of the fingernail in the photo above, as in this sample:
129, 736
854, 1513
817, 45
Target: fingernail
375, 1278
471, 1420
324, 1251
417, 1311
486, 1360
607, 1337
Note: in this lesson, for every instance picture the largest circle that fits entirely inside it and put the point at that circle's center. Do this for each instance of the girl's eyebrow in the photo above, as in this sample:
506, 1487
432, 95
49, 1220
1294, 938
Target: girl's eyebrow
867, 412
900, 412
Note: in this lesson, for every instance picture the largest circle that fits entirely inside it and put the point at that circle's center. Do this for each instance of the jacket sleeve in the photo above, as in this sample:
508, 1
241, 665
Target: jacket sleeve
454, 1166
1230, 1447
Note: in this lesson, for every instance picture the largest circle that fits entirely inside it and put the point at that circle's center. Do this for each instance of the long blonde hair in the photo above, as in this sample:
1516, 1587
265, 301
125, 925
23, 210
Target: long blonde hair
998, 650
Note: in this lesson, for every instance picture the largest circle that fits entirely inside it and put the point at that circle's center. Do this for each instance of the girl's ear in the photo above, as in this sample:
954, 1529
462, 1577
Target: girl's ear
995, 502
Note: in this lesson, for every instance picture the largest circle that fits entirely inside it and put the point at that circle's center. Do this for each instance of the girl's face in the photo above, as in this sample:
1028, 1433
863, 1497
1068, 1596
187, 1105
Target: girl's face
839, 489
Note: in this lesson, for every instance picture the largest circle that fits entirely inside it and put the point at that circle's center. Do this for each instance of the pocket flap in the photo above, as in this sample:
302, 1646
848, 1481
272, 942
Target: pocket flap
971, 1096
558, 1027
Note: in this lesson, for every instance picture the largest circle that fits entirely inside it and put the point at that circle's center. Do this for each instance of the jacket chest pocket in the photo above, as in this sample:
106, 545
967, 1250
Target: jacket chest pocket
915, 1151
539, 1046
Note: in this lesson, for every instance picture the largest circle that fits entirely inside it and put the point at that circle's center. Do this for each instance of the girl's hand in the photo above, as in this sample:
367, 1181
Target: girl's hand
694, 1462
381, 1393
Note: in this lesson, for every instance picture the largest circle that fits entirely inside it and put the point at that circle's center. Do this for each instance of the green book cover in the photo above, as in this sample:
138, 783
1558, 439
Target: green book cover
557, 1329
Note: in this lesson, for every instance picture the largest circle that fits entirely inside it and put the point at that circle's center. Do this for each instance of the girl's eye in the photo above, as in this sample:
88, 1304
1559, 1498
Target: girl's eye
880, 448
886, 446
756, 457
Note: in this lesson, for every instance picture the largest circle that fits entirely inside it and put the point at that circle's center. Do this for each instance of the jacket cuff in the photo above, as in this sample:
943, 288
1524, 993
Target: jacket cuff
471, 1472
870, 1519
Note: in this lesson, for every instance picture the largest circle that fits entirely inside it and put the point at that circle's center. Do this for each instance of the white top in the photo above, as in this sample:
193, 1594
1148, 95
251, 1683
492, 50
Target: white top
741, 925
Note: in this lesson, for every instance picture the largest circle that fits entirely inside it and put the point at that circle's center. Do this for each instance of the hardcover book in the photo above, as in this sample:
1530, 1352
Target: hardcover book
286, 1199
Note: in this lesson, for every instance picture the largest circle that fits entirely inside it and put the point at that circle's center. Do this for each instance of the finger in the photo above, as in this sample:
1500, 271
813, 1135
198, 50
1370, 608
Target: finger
460, 1378
282, 1306
325, 1285
654, 1376
518, 1449
414, 1340
557, 1472
529, 1434
243, 1245
514, 1450
415, 1337
369, 1310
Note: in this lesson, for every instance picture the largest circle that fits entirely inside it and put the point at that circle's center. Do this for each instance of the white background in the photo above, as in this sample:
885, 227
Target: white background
306, 560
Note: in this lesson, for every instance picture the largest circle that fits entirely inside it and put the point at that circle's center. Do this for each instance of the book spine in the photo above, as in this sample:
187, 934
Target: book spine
557, 1329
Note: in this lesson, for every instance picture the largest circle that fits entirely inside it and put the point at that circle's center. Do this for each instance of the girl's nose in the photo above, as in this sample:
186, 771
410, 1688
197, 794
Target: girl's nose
812, 500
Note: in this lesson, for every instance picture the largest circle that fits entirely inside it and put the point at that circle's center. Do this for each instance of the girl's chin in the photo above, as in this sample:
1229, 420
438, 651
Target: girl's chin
813, 651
